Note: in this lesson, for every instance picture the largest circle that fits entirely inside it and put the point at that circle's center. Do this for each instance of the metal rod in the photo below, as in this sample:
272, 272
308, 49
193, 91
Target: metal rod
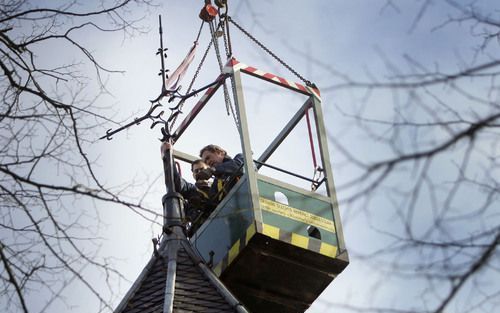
173, 248
311, 141
286, 172
168, 166
321, 182
239, 101
327, 167
195, 92
136, 121
197, 108
172, 201
284, 132
160, 51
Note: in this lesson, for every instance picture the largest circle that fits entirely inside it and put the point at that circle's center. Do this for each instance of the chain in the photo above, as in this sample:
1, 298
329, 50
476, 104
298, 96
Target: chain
202, 59
236, 122
181, 103
199, 67
226, 45
199, 31
233, 87
216, 44
227, 99
307, 82
225, 28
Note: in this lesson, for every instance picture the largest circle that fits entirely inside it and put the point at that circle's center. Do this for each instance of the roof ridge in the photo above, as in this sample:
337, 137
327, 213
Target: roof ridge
178, 268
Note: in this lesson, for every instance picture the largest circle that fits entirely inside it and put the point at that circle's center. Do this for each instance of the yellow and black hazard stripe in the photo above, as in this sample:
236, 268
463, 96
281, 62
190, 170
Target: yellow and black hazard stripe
274, 232
235, 250
301, 241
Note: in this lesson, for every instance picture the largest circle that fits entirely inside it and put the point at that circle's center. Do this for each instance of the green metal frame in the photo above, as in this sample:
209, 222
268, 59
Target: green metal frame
233, 70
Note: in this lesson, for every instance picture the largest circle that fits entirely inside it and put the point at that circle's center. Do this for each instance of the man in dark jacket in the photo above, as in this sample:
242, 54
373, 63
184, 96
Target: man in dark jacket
197, 202
198, 205
202, 197
226, 170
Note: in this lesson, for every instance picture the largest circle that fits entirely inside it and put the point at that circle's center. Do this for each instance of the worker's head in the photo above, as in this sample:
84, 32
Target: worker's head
196, 167
212, 155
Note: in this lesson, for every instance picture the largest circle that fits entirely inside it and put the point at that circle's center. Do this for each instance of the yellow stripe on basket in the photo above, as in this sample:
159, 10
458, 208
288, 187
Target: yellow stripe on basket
271, 231
233, 252
300, 241
328, 250
250, 233
218, 269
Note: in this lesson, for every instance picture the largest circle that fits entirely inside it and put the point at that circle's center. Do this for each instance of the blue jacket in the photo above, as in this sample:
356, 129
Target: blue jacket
226, 175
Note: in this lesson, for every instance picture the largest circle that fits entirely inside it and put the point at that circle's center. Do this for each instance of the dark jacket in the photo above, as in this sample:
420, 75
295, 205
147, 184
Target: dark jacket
226, 175
197, 195
201, 200
197, 204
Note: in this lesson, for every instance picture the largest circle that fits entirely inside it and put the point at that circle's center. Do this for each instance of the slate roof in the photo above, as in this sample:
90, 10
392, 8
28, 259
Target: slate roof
197, 288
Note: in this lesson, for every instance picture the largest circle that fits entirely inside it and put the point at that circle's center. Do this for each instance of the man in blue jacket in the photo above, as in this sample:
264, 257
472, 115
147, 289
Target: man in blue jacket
226, 170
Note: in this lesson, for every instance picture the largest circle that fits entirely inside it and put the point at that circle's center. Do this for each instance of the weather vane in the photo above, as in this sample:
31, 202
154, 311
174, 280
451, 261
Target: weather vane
170, 88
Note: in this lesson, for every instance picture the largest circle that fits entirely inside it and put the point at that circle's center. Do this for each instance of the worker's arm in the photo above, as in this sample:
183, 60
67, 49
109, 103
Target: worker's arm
183, 187
230, 166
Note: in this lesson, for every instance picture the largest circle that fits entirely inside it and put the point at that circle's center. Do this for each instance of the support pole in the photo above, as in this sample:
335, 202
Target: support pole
172, 227
172, 201
325, 157
173, 249
245, 144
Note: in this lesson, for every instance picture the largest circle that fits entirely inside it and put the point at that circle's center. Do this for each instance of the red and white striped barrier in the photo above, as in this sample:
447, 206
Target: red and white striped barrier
234, 65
